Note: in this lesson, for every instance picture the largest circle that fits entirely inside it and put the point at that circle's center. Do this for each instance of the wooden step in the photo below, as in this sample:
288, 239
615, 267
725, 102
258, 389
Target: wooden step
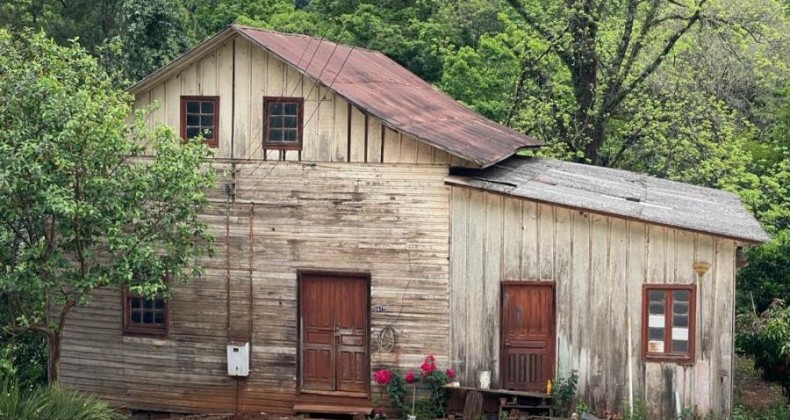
332, 409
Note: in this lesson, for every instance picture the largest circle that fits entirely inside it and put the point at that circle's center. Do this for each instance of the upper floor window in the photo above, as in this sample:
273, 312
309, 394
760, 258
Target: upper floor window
282, 119
200, 115
668, 322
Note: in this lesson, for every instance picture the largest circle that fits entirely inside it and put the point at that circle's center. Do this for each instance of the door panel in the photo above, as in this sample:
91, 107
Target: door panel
318, 335
334, 316
351, 321
527, 335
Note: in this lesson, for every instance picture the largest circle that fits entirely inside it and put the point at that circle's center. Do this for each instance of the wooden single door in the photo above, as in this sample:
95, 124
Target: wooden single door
527, 335
334, 332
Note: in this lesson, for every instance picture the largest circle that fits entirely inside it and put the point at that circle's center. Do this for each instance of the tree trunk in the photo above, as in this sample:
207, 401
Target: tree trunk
53, 368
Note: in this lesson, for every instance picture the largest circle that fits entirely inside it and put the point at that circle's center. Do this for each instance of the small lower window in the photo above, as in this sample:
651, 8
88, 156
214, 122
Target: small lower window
144, 316
668, 322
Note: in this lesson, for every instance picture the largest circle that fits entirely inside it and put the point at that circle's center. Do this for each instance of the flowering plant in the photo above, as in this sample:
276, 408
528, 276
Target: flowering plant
429, 378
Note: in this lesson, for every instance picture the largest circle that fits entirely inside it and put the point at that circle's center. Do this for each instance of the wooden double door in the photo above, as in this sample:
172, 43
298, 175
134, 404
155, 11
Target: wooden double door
527, 335
333, 317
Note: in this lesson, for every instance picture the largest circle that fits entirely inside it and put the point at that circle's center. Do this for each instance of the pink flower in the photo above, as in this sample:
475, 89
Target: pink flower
450, 373
410, 378
382, 376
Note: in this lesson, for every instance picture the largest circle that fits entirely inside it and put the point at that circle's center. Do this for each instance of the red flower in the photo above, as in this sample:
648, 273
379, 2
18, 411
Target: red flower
450, 373
428, 365
410, 378
382, 376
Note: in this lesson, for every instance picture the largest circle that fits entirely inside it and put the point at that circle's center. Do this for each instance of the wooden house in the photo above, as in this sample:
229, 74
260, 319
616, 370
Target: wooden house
365, 220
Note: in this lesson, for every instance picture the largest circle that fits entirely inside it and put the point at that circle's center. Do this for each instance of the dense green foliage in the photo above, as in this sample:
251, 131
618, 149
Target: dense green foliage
78, 211
52, 403
691, 90
766, 338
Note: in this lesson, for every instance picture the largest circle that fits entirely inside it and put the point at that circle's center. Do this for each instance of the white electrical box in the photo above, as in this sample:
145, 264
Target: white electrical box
239, 359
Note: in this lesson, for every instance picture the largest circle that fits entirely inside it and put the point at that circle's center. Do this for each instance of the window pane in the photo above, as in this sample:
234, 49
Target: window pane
193, 106
276, 122
192, 132
657, 296
680, 295
136, 318
680, 346
290, 122
680, 308
148, 317
656, 308
193, 119
207, 107
656, 334
275, 135
159, 304
159, 317
291, 108
275, 109
680, 321
148, 304
135, 303
207, 121
290, 136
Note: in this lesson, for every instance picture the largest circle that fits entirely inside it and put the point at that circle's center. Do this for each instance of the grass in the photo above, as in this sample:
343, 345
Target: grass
51, 403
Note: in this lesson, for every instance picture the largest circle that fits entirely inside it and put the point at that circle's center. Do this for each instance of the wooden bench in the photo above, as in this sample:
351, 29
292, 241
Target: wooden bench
354, 411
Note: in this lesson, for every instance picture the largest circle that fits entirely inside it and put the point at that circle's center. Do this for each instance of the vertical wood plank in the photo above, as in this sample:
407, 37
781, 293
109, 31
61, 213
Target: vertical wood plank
545, 228
494, 237
374, 140
242, 120
458, 280
225, 89
529, 252
391, 146
408, 149
563, 260
340, 138
208, 75
513, 222
357, 135
258, 89
475, 323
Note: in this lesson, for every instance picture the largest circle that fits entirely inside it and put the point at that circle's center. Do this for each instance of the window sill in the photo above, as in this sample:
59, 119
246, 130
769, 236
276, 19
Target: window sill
681, 360
282, 146
148, 339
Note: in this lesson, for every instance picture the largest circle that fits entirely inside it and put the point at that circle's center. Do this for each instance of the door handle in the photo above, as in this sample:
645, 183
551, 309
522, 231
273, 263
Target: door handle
337, 330
507, 343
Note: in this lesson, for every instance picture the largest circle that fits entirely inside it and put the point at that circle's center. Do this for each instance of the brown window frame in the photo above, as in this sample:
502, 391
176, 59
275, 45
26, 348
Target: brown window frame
679, 357
130, 328
299, 127
213, 142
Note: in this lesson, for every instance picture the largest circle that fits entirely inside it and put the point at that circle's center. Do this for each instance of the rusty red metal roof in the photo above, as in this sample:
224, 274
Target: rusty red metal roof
401, 100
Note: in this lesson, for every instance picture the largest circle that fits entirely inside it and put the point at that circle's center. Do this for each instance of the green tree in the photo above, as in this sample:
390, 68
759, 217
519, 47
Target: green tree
79, 208
151, 34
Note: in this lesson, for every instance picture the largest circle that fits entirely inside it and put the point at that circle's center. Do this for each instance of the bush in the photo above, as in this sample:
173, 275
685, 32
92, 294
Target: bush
766, 339
51, 403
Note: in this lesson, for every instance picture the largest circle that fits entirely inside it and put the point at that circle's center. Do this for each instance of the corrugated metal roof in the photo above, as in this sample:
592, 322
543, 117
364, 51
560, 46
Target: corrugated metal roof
383, 88
619, 193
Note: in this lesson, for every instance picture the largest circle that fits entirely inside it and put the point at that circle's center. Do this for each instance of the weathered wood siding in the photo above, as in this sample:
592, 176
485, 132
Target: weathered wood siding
599, 265
390, 220
334, 130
